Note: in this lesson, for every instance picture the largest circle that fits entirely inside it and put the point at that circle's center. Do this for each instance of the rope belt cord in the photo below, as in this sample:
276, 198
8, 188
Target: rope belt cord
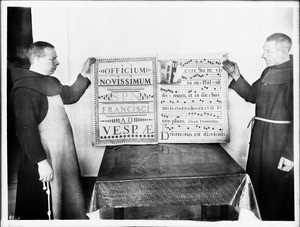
272, 121
267, 120
48, 192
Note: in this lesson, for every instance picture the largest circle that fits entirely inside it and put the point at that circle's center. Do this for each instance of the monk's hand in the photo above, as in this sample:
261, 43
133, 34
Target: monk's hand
45, 171
232, 69
87, 66
285, 164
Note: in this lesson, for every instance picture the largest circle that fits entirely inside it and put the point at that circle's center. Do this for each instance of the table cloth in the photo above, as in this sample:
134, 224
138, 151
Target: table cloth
171, 175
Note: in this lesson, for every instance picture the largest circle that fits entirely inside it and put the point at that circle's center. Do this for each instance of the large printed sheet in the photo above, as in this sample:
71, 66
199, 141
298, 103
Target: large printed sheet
192, 97
125, 101
164, 99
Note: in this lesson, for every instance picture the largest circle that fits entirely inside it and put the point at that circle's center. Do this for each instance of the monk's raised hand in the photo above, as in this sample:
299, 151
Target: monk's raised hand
87, 66
231, 68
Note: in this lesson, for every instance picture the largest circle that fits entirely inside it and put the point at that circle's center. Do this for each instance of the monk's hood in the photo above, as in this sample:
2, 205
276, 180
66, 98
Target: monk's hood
279, 74
24, 78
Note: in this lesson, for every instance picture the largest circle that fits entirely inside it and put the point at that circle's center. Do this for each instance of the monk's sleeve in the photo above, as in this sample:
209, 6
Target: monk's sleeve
289, 149
244, 89
71, 94
26, 108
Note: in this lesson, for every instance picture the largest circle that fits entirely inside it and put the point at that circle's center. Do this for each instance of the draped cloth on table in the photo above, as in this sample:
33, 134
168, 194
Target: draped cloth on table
171, 175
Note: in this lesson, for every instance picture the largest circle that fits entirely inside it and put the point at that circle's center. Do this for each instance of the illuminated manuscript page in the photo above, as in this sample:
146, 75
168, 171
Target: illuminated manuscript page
192, 96
125, 101
169, 99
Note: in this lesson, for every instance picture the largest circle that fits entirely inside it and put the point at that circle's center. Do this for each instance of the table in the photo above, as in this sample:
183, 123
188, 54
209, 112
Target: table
171, 175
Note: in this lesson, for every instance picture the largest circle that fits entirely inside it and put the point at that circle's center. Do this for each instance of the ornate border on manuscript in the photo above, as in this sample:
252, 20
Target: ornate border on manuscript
125, 101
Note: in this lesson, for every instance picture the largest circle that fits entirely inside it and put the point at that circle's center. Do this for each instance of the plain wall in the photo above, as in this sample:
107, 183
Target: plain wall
80, 30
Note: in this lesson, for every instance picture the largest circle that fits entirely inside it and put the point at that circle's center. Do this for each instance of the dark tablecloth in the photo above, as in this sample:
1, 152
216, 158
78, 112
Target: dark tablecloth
171, 175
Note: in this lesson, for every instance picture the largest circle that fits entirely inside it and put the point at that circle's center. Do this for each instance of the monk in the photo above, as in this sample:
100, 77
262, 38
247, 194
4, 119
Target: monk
271, 154
46, 138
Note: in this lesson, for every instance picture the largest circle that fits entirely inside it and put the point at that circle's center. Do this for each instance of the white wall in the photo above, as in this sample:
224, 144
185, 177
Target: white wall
79, 30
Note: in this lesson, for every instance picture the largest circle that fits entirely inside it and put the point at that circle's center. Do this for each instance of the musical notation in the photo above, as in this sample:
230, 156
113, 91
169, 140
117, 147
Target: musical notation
205, 88
193, 101
145, 96
195, 106
126, 96
184, 92
195, 114
200, 76
206, 114
168, 90
192, 127
106, 97
200, 63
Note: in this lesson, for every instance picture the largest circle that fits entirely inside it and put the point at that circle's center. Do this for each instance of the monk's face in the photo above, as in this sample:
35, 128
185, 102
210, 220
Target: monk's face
48, 61
273, 53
